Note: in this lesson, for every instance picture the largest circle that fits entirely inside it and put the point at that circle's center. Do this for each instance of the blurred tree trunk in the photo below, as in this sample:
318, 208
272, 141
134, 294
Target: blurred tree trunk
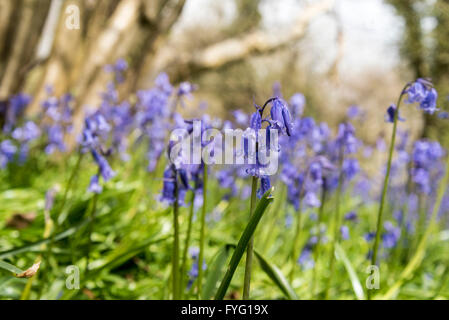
424, 61
44, 50
440, 70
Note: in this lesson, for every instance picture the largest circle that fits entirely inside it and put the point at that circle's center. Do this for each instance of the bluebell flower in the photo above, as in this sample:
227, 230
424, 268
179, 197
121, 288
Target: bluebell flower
297, 103
28, 132
350, 168
370, 236
421, 91
280, 116
351, 216
417, 91
194, 271
306, 259
94, 185
105, 170
353, 112
311, 200
118, 68
344, 232
346, 139
17, 105
391, 235
255, 122
240, 117
429, 104
49, 199
443, 115
169, 186
389, 117
7, 152
265, 185
185, 89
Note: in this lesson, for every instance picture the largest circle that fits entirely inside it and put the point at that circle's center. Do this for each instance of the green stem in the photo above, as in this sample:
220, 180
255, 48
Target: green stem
385, 185
202, 233
68, 186
249, 249
187, 241
175, 258
91, 229
317, 246
336, 222
295, 248
243, 243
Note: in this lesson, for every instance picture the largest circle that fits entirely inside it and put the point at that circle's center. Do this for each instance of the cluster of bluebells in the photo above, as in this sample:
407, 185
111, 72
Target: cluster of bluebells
57, 120
313, 160
18, 134
426, 165
94, 135
390, 236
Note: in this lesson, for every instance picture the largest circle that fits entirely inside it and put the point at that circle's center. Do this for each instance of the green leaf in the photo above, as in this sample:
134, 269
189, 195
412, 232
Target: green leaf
277, 277
243, 243
356, 286
29, 247
9, 267
216, 270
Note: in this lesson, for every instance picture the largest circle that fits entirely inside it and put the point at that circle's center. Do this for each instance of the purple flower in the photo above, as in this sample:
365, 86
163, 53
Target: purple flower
118, 68
297, 103
105, 170
389, 117
169, 186
240, 117
391, 235
49, 199
17, 105
7, 152
311, 200
353, 112
350, 168
94, 185
265, 185
351, 216
344, 231
280, 116
421, 91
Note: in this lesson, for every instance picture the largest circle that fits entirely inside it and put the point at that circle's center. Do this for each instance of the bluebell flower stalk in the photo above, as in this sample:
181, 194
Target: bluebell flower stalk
249, 249
422, 92
202, 231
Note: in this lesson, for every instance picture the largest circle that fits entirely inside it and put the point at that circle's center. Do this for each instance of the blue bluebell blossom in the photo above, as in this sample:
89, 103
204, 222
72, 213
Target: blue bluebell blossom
353, 112
350, 168
297, 103
17, 105
94, 185
265, 185
118, 69
344, 232
351, 216
7, 152
421, 91
391, 111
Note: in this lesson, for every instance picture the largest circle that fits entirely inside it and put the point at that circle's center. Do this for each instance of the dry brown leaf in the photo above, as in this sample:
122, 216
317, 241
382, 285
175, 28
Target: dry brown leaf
21, 220
31, 271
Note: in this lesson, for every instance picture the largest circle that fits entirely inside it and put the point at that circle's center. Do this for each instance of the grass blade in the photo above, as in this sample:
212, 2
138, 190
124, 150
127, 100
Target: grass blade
243, 243
28, 247
355, 282
215, 272
277, 277
9, 267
